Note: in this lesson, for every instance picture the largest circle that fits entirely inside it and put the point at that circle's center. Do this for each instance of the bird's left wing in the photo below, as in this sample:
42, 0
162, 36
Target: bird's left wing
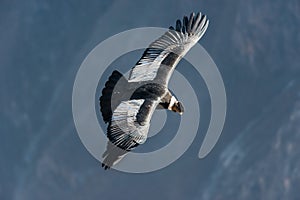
127, 128
130, 123
161, 57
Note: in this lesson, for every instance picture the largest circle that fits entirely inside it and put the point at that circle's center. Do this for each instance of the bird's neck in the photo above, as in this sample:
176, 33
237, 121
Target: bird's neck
173, 100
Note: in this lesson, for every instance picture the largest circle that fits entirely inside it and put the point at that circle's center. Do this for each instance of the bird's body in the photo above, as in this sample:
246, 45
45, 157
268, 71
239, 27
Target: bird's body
127, 105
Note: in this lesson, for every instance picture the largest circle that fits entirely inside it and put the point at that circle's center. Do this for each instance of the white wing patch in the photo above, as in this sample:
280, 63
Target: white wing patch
146, 69
127, 109
141, 73
124, 117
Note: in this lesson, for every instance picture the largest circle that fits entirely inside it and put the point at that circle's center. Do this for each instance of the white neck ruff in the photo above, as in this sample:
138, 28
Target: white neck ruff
172, 102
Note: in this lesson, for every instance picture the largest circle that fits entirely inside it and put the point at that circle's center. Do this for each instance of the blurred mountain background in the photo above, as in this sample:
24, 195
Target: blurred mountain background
256, 46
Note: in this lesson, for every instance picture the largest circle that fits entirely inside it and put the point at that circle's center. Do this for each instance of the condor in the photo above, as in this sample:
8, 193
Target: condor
127, 105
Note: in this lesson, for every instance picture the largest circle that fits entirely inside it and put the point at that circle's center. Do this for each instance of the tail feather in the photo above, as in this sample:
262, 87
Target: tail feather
106, 103
112, 155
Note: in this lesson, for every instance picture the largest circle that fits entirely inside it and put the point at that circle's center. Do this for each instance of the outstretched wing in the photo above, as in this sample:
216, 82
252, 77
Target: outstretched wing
161, 57
127, 129
130, 123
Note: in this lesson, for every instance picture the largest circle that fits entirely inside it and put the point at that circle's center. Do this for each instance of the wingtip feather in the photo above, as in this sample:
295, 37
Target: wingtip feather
195, 24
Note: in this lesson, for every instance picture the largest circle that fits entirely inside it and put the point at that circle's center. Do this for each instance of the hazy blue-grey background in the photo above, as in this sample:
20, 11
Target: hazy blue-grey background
256, 45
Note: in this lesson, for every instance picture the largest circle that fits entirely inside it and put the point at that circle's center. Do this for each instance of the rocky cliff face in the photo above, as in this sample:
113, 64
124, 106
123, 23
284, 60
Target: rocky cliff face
262, 162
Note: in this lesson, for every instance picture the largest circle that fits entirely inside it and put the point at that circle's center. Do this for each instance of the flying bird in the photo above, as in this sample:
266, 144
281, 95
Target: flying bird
127, 105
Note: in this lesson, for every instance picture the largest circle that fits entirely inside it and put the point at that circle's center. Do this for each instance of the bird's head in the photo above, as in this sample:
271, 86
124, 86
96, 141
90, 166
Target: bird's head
176, 106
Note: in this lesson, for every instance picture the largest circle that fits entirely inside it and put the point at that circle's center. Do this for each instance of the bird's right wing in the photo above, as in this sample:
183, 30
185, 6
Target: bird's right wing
161, 57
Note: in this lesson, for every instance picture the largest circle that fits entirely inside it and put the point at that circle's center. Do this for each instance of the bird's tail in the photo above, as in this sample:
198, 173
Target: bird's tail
110, 89
112, 155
